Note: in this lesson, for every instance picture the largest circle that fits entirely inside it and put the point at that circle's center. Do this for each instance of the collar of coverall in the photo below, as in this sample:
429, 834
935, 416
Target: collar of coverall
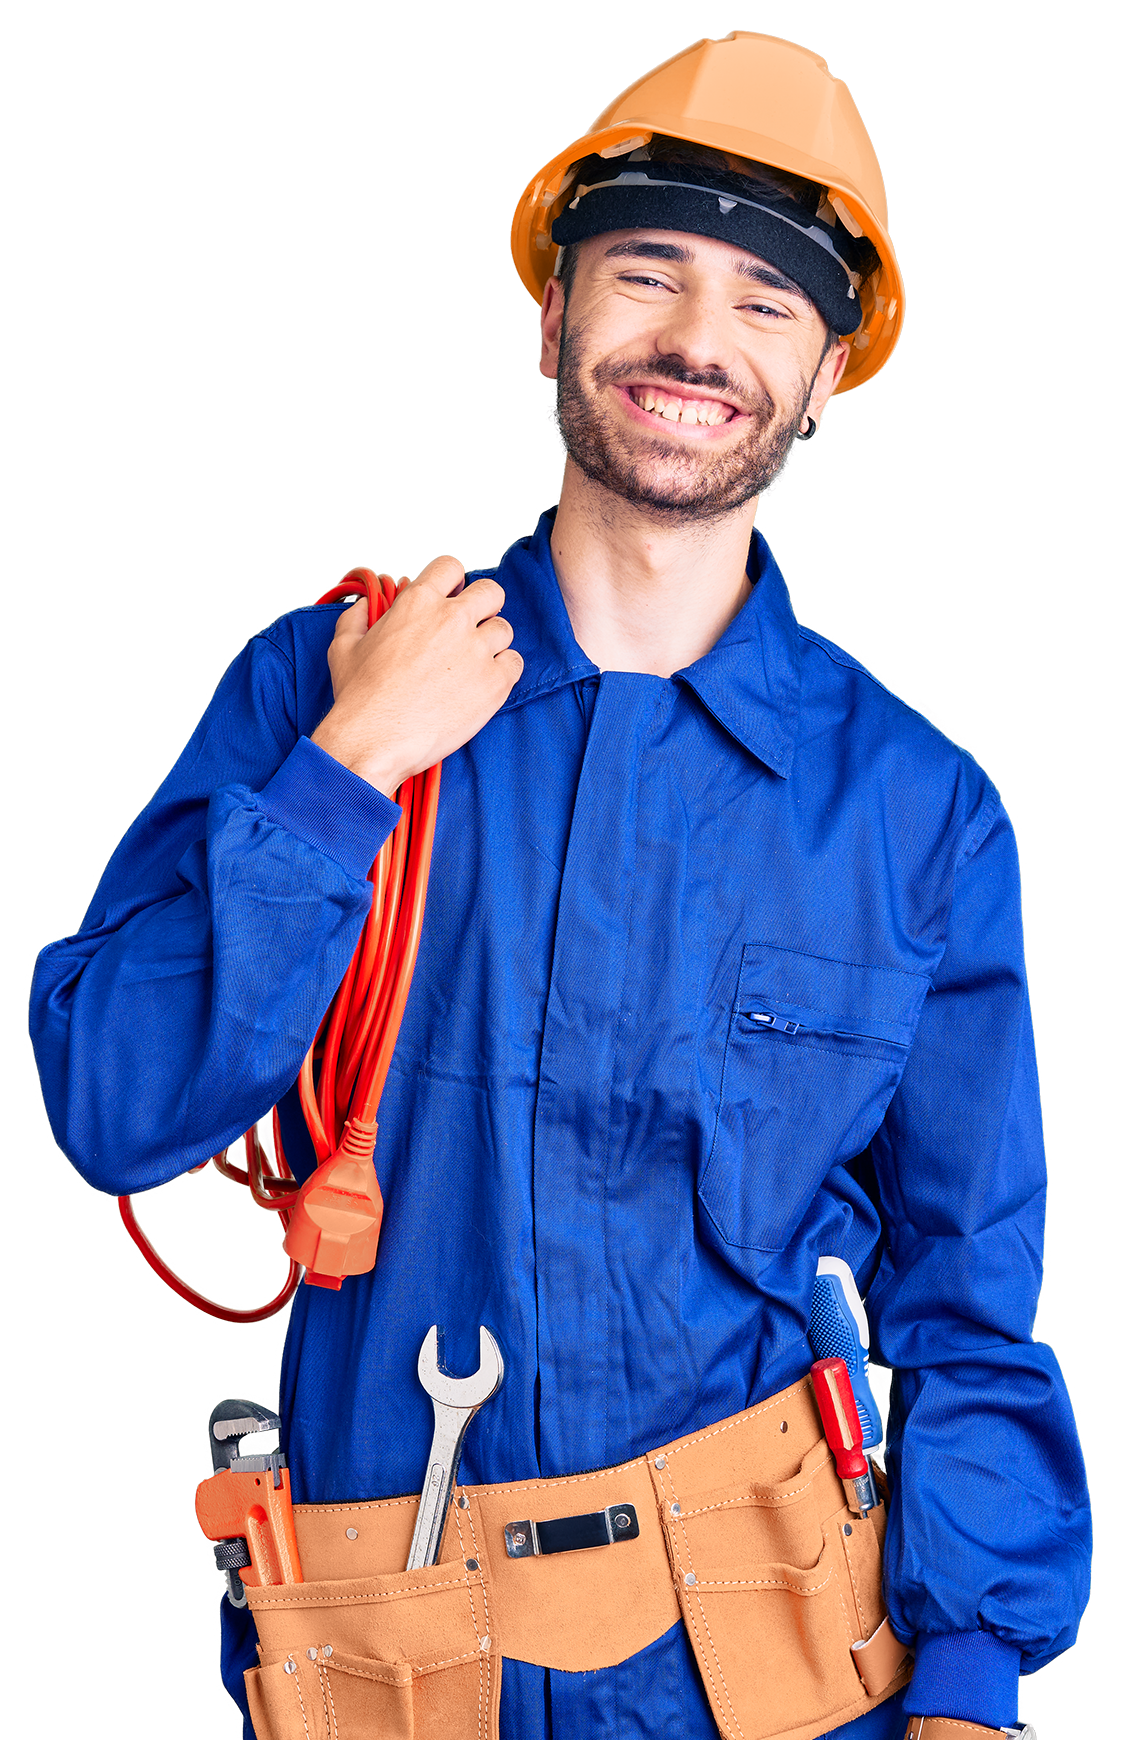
750, 680
814, 248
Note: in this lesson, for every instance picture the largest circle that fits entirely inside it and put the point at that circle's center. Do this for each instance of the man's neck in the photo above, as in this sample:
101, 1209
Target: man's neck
642, 594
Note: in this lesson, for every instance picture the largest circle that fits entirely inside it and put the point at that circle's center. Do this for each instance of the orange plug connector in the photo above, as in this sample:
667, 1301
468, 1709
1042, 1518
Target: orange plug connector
334, 1225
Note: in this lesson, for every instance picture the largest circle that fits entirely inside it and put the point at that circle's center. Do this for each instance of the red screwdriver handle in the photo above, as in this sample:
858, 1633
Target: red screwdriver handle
838, 1410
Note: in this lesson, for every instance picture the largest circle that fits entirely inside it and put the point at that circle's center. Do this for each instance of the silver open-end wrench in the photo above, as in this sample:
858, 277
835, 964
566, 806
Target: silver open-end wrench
456, 1401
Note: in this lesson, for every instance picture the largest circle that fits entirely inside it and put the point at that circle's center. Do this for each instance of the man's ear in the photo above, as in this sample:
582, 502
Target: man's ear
826, 379
552, 319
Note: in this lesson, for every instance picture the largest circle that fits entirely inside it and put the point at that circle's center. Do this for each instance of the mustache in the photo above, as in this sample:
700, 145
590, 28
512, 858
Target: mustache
672, 368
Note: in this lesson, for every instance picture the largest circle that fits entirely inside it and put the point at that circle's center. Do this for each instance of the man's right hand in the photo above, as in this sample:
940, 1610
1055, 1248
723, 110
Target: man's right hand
423, 680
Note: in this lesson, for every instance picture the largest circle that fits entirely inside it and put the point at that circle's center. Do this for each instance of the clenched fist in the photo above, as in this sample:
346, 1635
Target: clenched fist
423, 681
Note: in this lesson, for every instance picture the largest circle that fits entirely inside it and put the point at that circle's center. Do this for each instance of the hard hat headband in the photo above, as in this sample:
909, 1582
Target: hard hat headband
824, 260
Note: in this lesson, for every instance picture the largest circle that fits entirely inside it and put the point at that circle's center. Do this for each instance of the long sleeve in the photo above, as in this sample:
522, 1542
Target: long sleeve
987, 1559
182, 1009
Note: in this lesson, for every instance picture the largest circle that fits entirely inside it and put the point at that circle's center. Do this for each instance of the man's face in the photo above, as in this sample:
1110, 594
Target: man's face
684, 368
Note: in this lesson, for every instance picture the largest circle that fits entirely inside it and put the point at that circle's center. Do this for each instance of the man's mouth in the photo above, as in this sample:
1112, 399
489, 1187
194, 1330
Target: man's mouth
658, 402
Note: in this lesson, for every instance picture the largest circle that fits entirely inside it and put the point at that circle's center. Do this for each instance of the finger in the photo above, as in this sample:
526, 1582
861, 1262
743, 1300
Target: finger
486, 598
511, 662
497, 633
445, 574
352, 622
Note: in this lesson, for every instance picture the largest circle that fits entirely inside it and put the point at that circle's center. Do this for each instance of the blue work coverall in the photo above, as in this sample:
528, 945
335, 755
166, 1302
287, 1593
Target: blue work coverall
587, 1141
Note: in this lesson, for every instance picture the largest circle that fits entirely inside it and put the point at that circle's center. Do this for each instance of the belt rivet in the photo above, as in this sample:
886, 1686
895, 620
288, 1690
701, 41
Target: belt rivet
483, 1644
621, 1519
312, 1654
661, 1462
519, 1537
290, 1666
784, 1427
848, 1528
471, 1564
676, 1508
690, 1579
463, 1502
353, 1534
327, 1649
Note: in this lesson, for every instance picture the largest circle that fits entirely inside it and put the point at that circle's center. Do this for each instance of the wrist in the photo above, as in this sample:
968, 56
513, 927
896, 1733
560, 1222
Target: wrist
380, 765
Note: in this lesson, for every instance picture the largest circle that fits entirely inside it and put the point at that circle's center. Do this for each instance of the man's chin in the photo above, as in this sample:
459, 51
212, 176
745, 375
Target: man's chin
668, 493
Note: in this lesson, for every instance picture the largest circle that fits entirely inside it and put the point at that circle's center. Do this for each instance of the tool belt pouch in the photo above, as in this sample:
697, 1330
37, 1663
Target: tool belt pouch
742, 1530
779, 1583
405, 1656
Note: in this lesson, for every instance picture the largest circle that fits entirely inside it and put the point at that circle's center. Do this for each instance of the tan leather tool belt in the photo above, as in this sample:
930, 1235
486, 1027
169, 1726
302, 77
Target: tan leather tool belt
742, 1530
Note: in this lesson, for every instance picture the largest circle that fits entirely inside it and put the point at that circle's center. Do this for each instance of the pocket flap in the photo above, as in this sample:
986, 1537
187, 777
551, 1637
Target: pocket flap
875, 1002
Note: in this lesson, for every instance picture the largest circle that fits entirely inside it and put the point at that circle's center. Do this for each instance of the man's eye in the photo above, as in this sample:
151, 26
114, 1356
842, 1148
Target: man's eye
766, 308
642, 278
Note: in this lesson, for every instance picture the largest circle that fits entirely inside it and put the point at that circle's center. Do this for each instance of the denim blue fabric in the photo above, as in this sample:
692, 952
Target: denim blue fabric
588, 1140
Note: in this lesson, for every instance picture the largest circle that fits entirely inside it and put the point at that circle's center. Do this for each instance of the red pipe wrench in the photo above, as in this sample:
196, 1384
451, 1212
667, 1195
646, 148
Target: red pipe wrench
246, 1505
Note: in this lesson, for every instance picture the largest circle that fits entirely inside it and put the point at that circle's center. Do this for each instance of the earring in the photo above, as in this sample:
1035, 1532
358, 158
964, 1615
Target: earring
807, 434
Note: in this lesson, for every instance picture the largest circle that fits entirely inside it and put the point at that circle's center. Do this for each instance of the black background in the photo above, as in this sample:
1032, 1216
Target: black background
272, 329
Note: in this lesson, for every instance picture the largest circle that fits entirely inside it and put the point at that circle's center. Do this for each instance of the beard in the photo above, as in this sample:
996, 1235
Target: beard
671, 482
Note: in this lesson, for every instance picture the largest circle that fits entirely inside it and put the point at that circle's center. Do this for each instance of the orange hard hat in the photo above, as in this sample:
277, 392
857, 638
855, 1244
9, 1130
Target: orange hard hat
755, 97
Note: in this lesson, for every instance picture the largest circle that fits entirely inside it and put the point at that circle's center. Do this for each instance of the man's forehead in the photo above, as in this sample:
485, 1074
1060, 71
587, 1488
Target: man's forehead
681, 249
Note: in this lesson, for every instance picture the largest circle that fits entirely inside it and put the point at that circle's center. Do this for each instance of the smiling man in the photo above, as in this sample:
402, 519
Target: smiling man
643, 287
683, 375
720, 987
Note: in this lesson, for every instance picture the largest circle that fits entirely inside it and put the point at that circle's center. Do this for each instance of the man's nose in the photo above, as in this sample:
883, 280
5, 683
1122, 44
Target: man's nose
695, 332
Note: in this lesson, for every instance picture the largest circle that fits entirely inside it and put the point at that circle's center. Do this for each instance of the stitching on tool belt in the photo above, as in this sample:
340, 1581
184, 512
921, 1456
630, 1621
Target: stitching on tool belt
759, 1498
401, 1673
745, 1419
954, 1722
483, 1689
719, 1678
357, 1600
329, 1719
769, 1583
862, 1617
844, 1611
342, 1509
303, 1711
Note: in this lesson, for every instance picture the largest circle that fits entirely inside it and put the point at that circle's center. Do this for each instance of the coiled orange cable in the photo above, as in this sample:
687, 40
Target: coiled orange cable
341, 1079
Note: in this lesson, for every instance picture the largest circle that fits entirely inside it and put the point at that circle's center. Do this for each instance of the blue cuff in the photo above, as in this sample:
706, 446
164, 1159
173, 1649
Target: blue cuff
315, 797
970, 1675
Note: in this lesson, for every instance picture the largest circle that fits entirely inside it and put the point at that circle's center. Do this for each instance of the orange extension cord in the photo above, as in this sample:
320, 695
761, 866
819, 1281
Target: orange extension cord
332, 1221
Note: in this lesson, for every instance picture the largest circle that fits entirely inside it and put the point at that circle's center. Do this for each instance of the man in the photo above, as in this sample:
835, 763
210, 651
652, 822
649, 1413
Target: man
721, 974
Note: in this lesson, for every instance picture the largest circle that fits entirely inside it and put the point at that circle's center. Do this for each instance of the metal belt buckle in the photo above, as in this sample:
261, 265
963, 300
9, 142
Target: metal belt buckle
1025, 1732
571, 1534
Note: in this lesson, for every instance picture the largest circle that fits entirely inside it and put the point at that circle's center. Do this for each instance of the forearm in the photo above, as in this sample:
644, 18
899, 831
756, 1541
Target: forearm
988, 1541
167, 1028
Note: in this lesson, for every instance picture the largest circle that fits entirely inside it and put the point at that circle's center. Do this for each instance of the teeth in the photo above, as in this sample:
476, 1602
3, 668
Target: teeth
682, 410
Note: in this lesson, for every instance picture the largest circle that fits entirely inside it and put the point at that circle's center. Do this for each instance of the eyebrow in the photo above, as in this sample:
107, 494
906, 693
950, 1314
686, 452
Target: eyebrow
745, 265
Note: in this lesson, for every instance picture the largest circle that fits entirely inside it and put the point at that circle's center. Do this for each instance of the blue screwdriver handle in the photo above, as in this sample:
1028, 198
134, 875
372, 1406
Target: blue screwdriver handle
838, 1329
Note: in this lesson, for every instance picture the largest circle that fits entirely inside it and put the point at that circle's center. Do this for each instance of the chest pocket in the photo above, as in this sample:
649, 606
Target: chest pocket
813, 1055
